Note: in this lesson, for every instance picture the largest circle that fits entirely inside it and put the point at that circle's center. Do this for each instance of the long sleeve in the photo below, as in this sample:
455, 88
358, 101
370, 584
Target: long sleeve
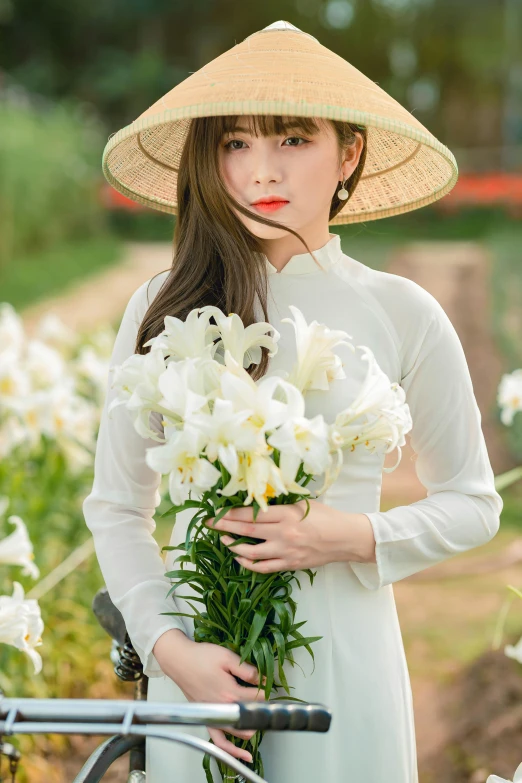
462, 508
119, 512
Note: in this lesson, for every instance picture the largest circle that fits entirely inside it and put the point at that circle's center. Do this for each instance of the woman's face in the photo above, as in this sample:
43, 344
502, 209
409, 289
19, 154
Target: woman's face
304, 170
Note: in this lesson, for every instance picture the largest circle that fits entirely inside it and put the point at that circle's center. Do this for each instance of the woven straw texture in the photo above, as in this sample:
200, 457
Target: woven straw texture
281, 70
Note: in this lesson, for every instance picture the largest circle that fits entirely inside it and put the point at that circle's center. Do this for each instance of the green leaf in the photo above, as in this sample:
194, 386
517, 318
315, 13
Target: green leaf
256, 628
280, 644
257, 652
304, 641
269, 661
284, 615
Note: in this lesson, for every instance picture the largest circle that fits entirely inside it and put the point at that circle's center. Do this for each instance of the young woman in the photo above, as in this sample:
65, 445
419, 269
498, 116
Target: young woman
233, 252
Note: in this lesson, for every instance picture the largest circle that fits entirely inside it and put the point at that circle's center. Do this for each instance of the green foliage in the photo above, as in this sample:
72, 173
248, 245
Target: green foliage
47, 273
75, 649
248, 612
506, 292
50, 164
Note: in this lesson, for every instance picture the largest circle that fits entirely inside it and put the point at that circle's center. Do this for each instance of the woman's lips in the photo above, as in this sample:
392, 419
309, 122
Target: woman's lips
270, 206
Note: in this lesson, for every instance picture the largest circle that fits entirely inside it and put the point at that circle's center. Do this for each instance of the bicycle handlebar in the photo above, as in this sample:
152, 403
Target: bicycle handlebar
285, 716
277, 716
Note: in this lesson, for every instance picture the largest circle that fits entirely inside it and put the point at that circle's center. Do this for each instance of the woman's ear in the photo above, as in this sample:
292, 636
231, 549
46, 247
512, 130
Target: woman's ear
352, 156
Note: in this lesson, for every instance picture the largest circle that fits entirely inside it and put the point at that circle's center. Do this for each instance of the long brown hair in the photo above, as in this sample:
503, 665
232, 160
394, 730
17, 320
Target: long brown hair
217, 260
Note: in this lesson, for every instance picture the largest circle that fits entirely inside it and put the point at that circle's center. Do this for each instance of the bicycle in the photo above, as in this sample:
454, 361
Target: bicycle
130, 722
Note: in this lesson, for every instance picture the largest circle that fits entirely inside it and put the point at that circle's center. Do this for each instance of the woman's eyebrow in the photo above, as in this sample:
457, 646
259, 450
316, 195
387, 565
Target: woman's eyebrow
241, 129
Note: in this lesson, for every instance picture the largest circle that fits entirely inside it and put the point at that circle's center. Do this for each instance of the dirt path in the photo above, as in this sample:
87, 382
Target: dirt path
100, 299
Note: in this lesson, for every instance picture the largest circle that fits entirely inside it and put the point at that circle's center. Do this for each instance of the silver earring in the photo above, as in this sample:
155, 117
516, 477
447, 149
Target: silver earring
342, 193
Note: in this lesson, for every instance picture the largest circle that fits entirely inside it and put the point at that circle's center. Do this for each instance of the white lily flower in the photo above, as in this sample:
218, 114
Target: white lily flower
31, 411
244, 343
44, 364
102, 341
137, 383
316, 365
183, 387
189, 339
516, 779
509, 396
259, 476
299, 437
76, 437
12, 335
14, 380
225, 433
53, 331
54, 408
12, 435
383, 403
288, 467
180, 457
17, 549
136, 380
514, 651
21, 624
90, 365
259, 397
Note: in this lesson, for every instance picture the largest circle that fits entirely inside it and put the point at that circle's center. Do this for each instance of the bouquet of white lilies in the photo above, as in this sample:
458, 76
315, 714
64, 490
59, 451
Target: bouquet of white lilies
232, 441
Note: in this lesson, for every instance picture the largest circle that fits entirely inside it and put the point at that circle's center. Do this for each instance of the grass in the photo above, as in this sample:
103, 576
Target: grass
36, 277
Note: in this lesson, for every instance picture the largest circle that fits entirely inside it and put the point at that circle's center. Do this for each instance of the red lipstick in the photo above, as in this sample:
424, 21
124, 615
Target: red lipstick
270, 206
269, 203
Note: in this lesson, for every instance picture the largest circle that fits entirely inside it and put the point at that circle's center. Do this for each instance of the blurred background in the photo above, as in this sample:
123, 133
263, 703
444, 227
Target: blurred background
71, 75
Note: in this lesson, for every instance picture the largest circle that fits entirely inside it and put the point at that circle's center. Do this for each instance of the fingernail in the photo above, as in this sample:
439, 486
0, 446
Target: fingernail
249, 757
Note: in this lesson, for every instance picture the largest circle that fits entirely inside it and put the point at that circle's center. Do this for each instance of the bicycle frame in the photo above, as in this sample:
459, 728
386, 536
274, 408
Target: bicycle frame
154, 719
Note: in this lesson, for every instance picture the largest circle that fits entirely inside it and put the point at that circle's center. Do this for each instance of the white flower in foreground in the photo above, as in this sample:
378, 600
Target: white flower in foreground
137, 387
259, 476
189, 339
136, 379
21, 624
257, 396
17, 549
300, 439
225, 433
243, 342
514, 651
183, 385
509, 396
12, 336
188, 471
384, 406
316, 364
516, 779
53, 331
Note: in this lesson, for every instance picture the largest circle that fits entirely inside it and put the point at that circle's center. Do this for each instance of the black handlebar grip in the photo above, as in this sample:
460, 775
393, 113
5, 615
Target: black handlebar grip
283, 716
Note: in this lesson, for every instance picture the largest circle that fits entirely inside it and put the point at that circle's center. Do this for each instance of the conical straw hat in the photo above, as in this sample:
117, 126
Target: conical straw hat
282, 70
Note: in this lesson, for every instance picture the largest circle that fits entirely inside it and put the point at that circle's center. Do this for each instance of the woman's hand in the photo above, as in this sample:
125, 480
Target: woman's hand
290, 543
207, 673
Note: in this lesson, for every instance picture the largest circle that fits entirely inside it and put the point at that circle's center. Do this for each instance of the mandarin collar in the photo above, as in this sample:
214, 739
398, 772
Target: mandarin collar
303, 263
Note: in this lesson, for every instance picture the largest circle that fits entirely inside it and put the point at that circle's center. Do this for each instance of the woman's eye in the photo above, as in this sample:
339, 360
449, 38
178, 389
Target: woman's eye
238, 141
299, 138
233, 141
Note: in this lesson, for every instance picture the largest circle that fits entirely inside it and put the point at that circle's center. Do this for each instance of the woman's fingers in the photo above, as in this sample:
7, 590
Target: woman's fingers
218, 736
241, 733
250, 694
